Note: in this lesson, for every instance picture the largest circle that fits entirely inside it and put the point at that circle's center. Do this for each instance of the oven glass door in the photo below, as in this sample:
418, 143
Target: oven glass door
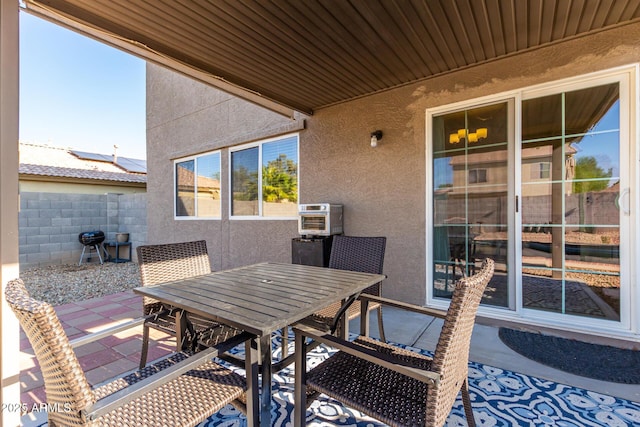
315, 223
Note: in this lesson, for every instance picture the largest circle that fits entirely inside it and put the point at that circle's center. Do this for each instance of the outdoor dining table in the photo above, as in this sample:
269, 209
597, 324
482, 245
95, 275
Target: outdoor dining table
261, 299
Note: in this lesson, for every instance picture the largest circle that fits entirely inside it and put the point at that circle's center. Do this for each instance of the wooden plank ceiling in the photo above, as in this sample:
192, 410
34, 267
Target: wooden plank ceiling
309, 54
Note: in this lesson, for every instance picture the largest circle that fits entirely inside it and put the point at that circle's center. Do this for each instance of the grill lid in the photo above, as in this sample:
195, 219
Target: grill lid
91, 237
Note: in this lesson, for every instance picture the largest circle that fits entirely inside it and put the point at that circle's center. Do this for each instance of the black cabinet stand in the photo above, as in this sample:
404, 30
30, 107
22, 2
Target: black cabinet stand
311, 251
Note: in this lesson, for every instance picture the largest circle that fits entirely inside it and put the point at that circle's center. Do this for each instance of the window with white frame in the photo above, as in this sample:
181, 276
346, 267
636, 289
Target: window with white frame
197, 186
264, 179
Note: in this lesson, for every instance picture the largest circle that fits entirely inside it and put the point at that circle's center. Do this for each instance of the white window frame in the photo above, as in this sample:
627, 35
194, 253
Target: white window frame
259, 144
195, 186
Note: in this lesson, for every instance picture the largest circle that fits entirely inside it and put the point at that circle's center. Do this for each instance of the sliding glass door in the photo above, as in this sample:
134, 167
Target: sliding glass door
538, 181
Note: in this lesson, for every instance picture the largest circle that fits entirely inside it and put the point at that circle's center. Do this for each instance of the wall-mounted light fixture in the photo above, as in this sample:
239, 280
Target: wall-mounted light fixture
375, 137
480, 133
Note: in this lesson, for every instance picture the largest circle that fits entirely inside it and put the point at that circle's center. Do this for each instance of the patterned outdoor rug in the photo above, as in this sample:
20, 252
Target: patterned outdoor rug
500, 399
601, 362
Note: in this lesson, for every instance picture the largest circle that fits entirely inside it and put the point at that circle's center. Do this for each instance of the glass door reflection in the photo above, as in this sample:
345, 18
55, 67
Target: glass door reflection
470, 194
570, 213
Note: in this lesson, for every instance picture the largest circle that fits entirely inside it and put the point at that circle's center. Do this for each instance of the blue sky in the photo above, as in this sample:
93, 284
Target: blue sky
79, 93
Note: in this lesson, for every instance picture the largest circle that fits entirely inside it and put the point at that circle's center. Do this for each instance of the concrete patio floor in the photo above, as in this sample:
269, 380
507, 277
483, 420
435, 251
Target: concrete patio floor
117, 354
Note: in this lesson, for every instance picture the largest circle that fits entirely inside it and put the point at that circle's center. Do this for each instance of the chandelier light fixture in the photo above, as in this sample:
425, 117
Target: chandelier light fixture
456, 137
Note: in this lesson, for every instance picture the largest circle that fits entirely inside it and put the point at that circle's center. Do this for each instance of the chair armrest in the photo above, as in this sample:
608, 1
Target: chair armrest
94, 336
132, 392
86, 339
369, 355
434, 312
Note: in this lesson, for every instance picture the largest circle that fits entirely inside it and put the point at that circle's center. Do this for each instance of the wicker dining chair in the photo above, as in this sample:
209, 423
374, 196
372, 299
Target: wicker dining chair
363, 254
394, 385
179, 390
169, 262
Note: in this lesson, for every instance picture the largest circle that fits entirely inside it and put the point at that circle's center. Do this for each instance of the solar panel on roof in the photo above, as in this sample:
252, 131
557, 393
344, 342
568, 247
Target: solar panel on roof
92, 156
132, 165
126, 163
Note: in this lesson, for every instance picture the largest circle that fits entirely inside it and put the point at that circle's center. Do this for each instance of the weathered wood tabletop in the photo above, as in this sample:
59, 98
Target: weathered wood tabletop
261, 299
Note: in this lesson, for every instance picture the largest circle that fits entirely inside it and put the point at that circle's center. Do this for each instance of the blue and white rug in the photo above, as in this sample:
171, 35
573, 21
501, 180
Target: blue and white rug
499, 398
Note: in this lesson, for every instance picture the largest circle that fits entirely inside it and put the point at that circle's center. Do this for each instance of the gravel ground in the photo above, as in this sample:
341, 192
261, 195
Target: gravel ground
64, 283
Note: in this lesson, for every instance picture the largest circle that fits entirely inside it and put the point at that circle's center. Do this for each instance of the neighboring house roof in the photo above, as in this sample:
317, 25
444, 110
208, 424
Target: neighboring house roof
473, 157
27, 169
50, 161
185, 179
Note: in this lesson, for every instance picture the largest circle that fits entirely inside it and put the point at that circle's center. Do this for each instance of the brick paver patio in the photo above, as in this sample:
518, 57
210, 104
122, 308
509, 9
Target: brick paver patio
102, 359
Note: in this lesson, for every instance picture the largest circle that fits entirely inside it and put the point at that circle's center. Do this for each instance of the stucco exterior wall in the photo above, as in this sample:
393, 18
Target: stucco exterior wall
185, 117
382, 189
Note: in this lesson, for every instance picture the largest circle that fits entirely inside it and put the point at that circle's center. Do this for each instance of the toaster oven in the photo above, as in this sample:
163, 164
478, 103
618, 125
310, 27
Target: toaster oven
319, 219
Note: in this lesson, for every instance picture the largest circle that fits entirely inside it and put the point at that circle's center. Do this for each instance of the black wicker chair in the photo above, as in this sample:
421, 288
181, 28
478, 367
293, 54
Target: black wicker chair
364, 254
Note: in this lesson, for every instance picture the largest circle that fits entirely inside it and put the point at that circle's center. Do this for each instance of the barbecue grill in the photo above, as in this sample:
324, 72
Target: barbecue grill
91, 240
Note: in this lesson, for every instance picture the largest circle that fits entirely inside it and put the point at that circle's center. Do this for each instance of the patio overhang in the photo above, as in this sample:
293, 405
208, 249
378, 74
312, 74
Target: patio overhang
291, 55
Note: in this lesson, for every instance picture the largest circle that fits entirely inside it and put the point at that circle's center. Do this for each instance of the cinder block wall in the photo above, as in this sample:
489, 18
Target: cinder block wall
49, 223
132, 218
